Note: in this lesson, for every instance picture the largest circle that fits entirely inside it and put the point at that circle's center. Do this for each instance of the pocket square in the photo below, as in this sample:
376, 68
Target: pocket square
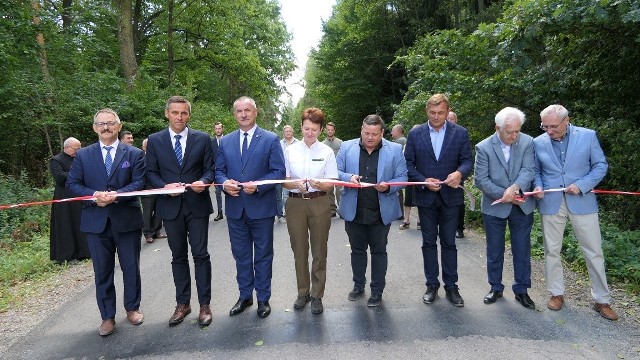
125, 165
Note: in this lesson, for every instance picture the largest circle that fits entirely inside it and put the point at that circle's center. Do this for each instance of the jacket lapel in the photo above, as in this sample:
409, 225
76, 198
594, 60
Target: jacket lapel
495, 144
252, 145
426, 138
120, 151
573, 142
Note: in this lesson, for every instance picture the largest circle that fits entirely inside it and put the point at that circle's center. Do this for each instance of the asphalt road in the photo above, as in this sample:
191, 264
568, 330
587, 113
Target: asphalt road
402, 328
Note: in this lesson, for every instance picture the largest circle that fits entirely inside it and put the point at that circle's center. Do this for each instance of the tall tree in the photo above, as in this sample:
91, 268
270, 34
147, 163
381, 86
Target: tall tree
128, 59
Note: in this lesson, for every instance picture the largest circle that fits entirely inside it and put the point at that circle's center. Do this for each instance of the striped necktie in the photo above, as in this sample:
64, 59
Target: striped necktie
178, 149
108, 160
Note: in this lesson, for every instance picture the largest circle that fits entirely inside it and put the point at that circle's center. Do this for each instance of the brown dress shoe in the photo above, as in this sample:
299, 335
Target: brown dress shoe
605, 311
135, 317
182, 310
204, 319
107, 327
148, 239
555, 303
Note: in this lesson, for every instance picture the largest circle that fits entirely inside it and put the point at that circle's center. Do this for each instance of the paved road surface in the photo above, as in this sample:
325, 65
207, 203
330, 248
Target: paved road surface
403, 327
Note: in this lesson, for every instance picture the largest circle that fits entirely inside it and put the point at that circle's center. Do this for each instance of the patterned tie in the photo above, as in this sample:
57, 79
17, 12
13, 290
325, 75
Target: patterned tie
244, 146
108, 161
178, 149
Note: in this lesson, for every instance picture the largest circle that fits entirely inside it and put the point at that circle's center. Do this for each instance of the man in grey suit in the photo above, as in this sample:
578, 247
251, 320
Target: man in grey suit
570, 157
504, 167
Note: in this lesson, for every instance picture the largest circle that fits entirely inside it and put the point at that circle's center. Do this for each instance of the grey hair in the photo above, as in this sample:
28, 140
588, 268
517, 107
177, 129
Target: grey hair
107, 111
70, 141
560, 111
245, 98
509, 113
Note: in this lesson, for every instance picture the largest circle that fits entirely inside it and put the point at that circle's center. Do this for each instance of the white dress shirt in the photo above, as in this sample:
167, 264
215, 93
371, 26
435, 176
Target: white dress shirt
310, 162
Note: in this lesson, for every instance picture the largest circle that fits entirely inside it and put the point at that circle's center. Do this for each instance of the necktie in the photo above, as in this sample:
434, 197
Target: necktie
245, 146
178, 149
108, 161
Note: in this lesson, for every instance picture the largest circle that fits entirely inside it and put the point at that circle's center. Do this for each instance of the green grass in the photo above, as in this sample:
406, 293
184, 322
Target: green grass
24, 268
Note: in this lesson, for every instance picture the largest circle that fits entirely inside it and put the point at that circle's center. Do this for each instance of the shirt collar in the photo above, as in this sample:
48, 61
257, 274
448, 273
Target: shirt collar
114, 145
183, 133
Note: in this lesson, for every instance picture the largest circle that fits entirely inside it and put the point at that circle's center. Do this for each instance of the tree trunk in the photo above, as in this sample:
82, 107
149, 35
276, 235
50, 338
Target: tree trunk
66, 13
480, 6
125, 37
44, 63
170, 28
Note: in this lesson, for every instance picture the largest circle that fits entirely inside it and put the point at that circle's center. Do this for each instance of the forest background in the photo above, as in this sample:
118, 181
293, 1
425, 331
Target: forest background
61, 60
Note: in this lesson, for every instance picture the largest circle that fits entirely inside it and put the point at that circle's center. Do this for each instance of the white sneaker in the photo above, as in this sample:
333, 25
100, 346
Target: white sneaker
282, 220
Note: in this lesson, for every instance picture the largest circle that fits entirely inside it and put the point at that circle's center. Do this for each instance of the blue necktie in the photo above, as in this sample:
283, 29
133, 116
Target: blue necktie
108, 161
178, 149
245, 146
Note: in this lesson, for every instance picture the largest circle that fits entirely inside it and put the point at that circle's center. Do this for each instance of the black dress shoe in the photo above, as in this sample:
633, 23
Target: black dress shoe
355, 294
264, 309
525, 301
374, 300
460, 234
430, 296
454, 297
492, 296
219, 216
240, 306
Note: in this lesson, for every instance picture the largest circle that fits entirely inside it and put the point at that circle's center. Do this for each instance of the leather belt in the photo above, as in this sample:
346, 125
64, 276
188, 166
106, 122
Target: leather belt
307, 196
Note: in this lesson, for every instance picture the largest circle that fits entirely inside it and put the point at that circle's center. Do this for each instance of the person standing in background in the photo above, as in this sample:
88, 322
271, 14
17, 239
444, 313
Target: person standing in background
397, 134
66, 241
152, 224
218, 129
282, 196
453, 118
126, 137
334, 143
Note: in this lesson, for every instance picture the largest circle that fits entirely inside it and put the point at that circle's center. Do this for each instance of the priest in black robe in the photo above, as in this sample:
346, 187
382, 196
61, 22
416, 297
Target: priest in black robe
67, 243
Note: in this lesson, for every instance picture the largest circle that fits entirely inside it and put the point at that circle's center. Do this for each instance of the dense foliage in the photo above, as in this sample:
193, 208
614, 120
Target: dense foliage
57, 71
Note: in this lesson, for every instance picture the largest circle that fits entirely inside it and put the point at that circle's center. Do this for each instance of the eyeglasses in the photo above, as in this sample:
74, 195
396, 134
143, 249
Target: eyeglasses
103, 124
552, 127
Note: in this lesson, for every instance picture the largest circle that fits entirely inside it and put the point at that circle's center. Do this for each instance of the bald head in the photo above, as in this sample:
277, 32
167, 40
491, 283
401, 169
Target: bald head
452, 117
71, 146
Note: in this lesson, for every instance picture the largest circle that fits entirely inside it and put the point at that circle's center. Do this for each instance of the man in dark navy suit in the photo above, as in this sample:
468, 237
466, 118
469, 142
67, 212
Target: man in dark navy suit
113, 224
176, 156
439, 151
250, 154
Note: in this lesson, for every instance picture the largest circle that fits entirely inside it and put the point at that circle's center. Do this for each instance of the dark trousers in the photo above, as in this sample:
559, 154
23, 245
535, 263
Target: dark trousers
279, 202
103, 248
520, 229
439, 221
219, 197
151, 223
252, 248
461, 218
375, 237
184, 231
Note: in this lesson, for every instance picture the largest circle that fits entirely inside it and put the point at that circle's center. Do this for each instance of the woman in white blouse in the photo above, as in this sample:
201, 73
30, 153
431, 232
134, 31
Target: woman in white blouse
308, 209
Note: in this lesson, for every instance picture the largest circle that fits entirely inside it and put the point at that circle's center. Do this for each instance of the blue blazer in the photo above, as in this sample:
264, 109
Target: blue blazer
88, 175
493, 174
163, 168
585, 165
264, 161
391, 168
422, 163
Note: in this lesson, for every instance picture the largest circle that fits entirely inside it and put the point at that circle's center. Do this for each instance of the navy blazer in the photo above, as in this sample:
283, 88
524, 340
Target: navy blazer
163, 169
422, 163
88, 175
264, 161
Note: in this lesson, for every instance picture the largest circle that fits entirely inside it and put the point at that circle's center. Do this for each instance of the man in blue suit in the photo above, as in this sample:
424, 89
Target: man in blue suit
505, 167
250, 154
570, 157
218, 129
176, 156
439, 151
113, 224
368, 212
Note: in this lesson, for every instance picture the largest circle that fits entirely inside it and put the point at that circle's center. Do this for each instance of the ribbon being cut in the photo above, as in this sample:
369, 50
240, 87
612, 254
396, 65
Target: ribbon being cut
181, 189
595, 191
